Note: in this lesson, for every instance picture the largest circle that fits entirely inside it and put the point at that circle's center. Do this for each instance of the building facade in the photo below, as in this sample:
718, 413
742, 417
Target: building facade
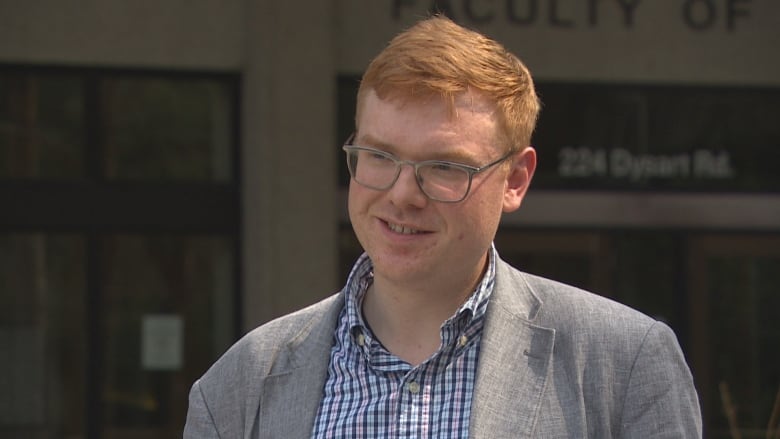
171, 177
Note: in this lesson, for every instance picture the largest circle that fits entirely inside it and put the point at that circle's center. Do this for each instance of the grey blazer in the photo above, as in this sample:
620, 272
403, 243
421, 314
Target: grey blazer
555, 362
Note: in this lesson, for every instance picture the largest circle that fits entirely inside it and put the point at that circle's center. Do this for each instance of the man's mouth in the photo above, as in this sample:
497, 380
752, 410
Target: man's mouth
402, 229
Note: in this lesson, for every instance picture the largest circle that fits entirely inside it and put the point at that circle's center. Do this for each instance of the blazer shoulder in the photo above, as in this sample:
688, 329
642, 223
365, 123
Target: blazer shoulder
572, 311
615, 360
293, 327
261, 350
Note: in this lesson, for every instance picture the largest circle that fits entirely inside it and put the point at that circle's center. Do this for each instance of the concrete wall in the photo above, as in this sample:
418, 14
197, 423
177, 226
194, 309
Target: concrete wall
201, 34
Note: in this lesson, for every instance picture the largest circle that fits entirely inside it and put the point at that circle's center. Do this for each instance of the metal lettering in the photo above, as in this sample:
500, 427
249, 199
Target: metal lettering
531, 10
555, 20
474, 16
733, 12
442, 7
593, 15
699, 14
628, 7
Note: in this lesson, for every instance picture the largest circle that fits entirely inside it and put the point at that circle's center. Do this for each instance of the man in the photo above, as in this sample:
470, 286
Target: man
434, 336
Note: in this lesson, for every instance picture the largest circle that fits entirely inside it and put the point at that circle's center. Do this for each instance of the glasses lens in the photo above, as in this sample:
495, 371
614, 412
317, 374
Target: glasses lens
443, 181
373, 169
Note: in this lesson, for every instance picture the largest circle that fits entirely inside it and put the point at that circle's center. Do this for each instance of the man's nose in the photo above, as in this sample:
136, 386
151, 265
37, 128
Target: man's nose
406, 190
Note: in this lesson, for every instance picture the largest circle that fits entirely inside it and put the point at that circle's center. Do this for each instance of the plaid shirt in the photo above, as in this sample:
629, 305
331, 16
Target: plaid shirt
371, 393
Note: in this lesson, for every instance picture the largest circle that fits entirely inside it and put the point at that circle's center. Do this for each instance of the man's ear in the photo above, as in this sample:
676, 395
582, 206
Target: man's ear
522, 169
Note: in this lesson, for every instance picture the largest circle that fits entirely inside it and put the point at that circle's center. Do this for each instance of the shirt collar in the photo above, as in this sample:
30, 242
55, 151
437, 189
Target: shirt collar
362, 276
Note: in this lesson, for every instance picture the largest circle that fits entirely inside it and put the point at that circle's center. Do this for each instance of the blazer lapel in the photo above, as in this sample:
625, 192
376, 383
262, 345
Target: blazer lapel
514, 361
290, 395
289, 402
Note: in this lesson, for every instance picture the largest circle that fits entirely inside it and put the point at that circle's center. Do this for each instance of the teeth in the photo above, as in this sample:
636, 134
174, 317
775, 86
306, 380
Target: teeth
401, 229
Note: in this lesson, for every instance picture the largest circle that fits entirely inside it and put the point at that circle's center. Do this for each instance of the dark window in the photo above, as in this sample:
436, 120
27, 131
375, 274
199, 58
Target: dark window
119, 238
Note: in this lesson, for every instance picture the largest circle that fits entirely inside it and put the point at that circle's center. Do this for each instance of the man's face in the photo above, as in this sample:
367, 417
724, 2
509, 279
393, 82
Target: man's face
412, 240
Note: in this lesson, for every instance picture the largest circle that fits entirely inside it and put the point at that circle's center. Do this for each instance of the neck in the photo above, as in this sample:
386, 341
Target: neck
407, 319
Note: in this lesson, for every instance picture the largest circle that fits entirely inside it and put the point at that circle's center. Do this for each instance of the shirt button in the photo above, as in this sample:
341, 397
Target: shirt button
414, 387
361, 339
463, 340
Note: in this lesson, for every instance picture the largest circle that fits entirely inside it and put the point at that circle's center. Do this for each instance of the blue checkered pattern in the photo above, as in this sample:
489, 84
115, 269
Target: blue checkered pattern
371, 393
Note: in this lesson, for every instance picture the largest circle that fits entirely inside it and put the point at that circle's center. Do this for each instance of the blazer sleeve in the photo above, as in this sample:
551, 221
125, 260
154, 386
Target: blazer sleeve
660, 400
200, 423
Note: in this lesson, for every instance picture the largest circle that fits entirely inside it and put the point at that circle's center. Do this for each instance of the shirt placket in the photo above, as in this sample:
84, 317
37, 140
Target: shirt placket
414, 406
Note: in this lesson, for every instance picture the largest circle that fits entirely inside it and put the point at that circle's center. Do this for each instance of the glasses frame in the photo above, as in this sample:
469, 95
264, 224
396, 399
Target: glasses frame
348, 148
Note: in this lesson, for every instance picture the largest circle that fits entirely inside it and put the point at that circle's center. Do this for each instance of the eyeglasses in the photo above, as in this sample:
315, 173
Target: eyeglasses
439, 180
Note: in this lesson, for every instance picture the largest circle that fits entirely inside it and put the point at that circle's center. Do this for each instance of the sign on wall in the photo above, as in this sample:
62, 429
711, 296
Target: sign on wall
642, 137
657, 137
699, 41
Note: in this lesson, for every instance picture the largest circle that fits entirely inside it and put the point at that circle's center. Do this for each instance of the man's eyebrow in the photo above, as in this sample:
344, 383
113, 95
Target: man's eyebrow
368, 140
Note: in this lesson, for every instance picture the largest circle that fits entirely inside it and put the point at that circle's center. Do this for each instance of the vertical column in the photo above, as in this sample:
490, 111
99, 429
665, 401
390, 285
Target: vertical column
288, 165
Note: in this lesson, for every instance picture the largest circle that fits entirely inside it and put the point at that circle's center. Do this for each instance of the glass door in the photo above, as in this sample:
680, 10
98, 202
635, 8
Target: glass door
42, 336
639, 268
735, 343
119, 243
573, 257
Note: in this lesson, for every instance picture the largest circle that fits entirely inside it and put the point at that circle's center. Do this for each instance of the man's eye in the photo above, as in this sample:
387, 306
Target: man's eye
444, 167
377, 156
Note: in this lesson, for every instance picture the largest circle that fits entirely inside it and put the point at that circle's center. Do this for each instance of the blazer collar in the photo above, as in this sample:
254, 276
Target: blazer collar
514, 361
